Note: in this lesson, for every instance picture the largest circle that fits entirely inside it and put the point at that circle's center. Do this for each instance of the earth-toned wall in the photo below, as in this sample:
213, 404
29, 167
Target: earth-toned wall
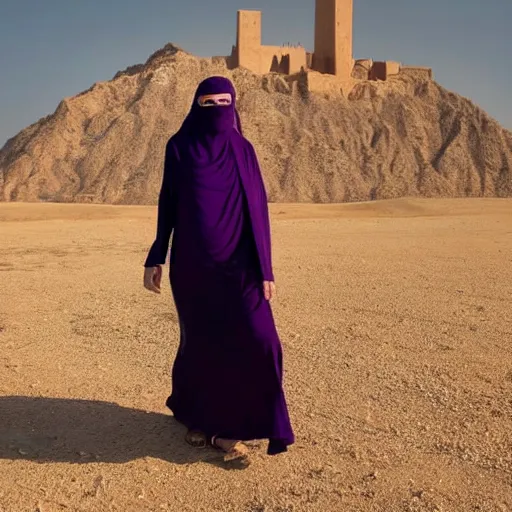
333, 38
332, 58
252, 55
249, 40
383, 70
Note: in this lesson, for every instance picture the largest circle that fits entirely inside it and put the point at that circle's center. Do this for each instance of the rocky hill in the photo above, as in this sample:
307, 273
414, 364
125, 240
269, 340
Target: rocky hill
403, 137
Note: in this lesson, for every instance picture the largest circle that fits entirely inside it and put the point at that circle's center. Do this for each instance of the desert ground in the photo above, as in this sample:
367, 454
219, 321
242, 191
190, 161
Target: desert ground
396, 322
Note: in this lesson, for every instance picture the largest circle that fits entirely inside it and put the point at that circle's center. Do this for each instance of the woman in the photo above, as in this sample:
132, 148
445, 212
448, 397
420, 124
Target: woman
227, 376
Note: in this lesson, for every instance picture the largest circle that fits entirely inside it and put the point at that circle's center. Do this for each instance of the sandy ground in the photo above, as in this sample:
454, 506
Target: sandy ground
396, 320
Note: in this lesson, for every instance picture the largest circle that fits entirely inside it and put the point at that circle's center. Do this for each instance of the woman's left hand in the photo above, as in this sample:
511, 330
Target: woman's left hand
269, 290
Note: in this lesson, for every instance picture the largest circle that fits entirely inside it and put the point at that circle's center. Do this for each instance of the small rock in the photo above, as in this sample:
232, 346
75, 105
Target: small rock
418, 493
98, 485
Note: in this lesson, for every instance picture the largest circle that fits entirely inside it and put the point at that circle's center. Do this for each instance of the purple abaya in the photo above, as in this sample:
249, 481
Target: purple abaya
227, 376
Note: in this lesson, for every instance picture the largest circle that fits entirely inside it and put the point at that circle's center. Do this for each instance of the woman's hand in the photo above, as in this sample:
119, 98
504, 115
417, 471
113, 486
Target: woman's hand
269, 290
153, 278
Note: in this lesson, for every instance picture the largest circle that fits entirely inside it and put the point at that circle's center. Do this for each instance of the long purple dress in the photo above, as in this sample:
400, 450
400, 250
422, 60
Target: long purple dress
227, 375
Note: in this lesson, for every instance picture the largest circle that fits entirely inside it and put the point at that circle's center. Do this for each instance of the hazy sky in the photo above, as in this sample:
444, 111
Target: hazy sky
50, 49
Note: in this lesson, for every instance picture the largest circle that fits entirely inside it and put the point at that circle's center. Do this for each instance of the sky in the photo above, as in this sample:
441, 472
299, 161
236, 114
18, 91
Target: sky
51, 49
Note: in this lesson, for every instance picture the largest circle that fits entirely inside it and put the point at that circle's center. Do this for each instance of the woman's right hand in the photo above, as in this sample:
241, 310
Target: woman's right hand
153, 278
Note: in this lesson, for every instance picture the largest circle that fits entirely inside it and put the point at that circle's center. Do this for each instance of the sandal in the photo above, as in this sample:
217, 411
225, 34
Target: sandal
237, 452
196, 438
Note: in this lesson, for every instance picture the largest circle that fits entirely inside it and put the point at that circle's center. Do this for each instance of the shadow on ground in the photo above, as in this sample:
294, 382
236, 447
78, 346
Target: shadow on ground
85, 431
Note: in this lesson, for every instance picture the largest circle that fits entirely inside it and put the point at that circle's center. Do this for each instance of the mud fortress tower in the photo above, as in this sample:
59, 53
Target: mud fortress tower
330, 66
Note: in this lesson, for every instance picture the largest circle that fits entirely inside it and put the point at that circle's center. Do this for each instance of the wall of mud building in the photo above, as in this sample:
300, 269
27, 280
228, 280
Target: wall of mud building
248, 40
333, 38
382, 70
232, 59
282, 59
249, 52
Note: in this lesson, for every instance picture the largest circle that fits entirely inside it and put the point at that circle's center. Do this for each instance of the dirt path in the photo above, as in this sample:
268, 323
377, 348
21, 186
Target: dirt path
395, 319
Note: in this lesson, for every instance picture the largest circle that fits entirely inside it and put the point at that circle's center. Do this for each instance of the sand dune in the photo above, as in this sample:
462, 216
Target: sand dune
395, 319
405, 207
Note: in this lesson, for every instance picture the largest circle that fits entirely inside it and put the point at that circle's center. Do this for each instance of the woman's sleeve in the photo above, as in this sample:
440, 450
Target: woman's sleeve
264, 235
166, 211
